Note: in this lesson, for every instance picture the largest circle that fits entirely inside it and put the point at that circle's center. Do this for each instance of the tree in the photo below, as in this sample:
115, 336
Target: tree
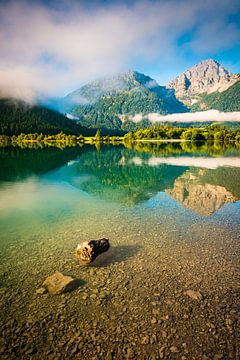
193, 134
220, 135
98, 136
129, 137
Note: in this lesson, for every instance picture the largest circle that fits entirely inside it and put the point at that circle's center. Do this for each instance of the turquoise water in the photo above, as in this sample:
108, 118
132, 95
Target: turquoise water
51, 187
166, 206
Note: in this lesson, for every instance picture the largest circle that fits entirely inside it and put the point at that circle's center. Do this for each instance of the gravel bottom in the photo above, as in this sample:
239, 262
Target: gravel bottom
133, 302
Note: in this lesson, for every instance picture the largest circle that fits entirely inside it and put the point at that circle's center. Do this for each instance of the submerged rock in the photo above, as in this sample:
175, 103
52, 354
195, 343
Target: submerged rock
195, 295
41, 291
145, 340
130, 354
59, 283
89, 250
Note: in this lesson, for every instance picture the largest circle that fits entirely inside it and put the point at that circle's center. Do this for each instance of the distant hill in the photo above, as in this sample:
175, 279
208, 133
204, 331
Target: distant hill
19, 117
228, 100
109, 102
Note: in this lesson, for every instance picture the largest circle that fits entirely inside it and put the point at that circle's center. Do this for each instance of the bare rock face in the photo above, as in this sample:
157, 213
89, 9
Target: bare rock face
206, 77
89, 250
59, 283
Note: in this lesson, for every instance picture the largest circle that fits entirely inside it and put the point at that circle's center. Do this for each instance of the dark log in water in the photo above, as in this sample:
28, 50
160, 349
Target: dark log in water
89, 250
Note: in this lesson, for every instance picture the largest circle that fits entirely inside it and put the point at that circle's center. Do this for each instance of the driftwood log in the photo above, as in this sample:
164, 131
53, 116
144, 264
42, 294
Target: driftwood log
89, 250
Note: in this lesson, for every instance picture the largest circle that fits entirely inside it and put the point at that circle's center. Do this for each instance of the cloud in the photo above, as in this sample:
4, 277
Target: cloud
226, 35
201, 116
202, 162
52, 47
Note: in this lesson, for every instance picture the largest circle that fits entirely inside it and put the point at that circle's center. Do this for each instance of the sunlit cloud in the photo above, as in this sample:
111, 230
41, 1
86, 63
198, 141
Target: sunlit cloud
201, 162
200, 116
54, 47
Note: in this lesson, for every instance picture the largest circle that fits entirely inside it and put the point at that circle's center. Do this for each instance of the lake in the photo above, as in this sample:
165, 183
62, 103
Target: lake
168, 287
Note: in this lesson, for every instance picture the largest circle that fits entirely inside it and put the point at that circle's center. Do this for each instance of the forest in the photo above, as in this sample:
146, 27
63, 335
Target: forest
212, 133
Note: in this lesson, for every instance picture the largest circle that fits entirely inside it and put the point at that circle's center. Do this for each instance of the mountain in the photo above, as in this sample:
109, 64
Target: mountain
111, 101
17, 117
228, 100
206, 77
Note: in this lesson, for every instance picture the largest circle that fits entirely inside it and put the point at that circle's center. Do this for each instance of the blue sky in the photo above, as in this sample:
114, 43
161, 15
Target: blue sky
53, 47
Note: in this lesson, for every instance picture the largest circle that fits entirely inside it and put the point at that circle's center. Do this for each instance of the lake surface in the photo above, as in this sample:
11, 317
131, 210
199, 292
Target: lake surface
172, 215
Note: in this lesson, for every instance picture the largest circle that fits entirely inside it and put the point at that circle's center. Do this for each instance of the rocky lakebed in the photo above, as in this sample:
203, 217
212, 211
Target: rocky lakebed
167, 287
166, 298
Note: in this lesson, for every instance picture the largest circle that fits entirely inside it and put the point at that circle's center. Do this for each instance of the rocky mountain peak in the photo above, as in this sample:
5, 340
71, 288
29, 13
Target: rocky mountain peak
206, 77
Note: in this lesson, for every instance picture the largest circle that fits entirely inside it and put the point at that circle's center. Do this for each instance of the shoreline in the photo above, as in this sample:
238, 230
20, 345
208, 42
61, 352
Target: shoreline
161, 140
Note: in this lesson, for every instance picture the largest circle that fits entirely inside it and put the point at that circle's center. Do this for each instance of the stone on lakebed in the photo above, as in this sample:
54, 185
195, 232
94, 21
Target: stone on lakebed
194, 295
89, 250
59, 283
41, 291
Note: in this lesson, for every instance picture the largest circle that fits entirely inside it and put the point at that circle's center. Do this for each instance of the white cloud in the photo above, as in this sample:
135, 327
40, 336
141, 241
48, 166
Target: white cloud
201, 116
54, 49
202, 162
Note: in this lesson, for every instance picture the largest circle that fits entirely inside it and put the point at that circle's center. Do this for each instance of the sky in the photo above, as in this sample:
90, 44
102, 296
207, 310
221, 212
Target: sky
49, 48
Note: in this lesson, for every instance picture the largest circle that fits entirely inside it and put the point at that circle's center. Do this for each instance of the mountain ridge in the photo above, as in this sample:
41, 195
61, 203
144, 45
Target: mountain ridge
228, 100
208, 76
111, 100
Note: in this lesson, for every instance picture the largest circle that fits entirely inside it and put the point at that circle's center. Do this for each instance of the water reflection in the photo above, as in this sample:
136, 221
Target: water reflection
202, 184
202, 162
202, 178
18, 164
112, 176
202, 198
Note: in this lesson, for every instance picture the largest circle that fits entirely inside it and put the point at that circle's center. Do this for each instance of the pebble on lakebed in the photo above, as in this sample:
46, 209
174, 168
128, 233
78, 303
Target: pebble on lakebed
89, 250
194, 295
58, 284
41, 291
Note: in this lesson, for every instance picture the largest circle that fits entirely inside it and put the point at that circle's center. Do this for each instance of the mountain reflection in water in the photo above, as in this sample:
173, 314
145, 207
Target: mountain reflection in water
202, 179
202, 198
